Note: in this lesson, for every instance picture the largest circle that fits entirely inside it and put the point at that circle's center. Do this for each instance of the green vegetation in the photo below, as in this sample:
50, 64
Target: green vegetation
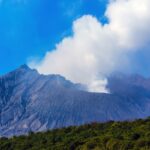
105, 136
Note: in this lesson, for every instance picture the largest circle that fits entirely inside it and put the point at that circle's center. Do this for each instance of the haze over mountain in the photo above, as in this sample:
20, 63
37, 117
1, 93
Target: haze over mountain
33, 102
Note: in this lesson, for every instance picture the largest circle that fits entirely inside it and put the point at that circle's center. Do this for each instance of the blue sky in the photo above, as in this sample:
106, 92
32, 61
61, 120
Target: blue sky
28, 28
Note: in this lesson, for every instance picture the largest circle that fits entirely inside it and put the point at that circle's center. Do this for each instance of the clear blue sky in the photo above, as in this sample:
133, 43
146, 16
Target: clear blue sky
28, 28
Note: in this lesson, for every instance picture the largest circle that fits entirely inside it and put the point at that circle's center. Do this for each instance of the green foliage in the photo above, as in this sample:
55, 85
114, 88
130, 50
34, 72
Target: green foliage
105, 136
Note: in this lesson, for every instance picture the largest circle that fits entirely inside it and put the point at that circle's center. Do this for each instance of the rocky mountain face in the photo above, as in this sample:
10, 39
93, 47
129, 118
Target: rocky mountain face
33, 102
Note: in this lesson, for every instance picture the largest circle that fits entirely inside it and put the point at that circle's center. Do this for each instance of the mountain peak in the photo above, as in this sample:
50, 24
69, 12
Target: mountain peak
24, 66
23, 69
33, 102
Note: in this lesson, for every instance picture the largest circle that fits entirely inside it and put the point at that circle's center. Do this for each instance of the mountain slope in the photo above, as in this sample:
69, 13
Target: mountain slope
33, 102
105, 136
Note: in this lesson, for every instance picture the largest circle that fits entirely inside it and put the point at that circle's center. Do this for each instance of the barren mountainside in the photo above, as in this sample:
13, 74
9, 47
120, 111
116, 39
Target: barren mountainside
30, 101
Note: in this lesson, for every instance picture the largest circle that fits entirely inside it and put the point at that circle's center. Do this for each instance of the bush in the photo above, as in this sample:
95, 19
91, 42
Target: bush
105, 136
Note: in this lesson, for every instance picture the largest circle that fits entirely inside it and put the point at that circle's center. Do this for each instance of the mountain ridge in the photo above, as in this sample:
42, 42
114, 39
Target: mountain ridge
30, 101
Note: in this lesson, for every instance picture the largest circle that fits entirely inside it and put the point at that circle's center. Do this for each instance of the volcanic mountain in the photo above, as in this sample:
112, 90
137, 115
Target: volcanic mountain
30, 101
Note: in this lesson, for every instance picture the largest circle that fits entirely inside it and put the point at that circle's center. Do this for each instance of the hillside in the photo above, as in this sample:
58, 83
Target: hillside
30, 101
105, 136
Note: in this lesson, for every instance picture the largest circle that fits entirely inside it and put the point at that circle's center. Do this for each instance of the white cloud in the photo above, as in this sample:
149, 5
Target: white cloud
130, 20
95, 50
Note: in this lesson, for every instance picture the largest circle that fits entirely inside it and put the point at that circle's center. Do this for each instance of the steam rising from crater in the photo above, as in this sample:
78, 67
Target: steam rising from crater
95, 50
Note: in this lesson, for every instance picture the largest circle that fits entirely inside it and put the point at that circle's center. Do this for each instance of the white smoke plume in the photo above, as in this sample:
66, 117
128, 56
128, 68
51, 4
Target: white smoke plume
96, 50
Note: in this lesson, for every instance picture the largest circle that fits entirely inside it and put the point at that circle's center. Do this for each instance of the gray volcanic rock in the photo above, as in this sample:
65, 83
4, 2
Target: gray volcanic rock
33, 102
